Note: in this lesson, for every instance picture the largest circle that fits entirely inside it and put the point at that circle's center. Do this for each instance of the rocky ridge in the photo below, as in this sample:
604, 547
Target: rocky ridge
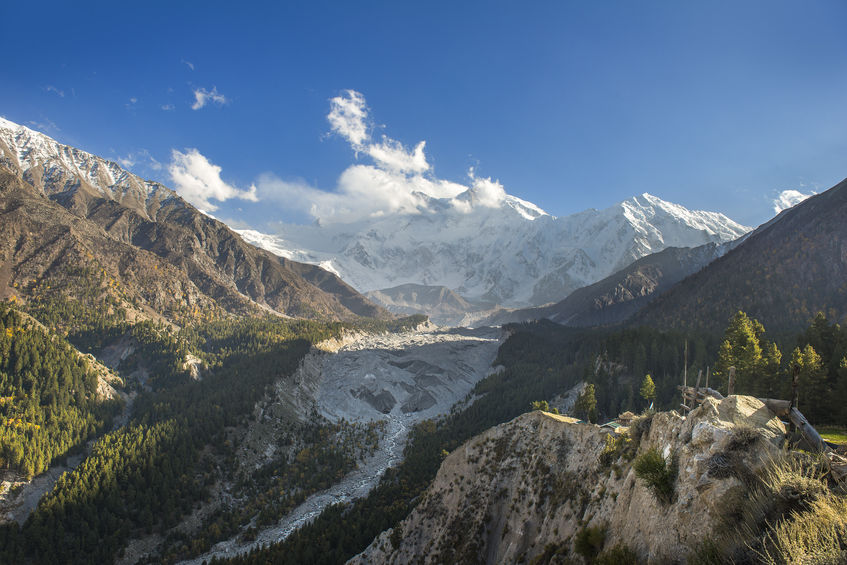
65, 213
527, 488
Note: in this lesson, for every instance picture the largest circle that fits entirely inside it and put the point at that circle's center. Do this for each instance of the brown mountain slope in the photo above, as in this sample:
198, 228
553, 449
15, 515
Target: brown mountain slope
175, 261
782, 274
619, 296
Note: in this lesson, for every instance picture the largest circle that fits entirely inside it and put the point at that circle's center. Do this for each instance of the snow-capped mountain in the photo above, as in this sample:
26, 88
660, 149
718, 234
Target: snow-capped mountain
512, 253
490, 247
63, 208
55, 168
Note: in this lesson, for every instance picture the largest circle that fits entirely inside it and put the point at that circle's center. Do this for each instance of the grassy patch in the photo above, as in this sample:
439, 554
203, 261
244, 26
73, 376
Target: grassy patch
833, 434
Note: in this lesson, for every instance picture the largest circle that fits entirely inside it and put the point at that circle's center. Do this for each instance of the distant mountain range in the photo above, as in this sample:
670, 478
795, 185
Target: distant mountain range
782, 274
75, 221
508, 252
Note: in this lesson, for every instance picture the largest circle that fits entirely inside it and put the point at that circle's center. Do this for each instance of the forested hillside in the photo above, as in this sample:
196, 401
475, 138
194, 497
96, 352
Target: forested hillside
145, 476
49, 403
783, 274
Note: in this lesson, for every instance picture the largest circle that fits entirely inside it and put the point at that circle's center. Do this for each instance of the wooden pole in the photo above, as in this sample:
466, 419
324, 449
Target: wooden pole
707, 376
699, 374
730, 386
795, 379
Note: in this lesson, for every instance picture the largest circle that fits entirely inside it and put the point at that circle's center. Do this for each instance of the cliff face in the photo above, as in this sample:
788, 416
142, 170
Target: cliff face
528, 489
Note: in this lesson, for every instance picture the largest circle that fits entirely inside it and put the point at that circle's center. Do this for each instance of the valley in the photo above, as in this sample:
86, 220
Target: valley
399, 379
207, 397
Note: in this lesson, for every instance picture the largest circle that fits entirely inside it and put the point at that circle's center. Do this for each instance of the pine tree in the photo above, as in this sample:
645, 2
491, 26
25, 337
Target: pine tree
648, 388
812, 380
585, 406
741, 348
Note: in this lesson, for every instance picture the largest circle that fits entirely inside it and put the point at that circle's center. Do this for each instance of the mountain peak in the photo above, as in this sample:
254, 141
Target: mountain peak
63, 172
498, 249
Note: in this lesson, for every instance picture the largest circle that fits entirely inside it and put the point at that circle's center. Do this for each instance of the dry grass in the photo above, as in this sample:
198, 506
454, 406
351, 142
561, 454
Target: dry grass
794, 517
817, 536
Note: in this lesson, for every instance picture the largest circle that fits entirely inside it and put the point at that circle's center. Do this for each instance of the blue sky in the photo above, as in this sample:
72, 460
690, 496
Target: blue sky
570, 105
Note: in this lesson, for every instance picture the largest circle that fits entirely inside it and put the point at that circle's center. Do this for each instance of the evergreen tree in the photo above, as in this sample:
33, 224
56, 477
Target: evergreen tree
771, 385
585, 406
648, 388
811, 380
753, 361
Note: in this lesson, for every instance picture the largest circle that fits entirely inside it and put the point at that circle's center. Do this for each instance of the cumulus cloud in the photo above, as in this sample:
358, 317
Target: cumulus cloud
348, 117
363, 192
399, 180
199, 181
789, 198
203, 97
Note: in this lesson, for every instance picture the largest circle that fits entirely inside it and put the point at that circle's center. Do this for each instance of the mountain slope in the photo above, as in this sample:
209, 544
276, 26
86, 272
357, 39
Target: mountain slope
782, 274
507, 252
63, 208
619, 296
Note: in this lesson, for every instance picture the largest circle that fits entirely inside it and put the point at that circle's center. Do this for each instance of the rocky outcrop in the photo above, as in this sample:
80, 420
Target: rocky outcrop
530, 487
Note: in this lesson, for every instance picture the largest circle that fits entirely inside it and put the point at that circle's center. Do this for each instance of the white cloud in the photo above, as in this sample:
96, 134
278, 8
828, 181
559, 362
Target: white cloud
202, 97
789, 198
167, 107
392, 155
51, 88
348, 117
399, 181
363, 191
199, 181
188, 64
142, 158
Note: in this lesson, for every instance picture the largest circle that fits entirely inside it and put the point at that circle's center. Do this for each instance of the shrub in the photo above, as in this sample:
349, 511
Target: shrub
791, 515
589, 541
619, 555
659, 474
616, 445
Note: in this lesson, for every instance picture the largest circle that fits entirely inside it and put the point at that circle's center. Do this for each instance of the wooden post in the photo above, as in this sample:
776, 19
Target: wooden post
707, 376
730, 386
699, 374
795, 379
